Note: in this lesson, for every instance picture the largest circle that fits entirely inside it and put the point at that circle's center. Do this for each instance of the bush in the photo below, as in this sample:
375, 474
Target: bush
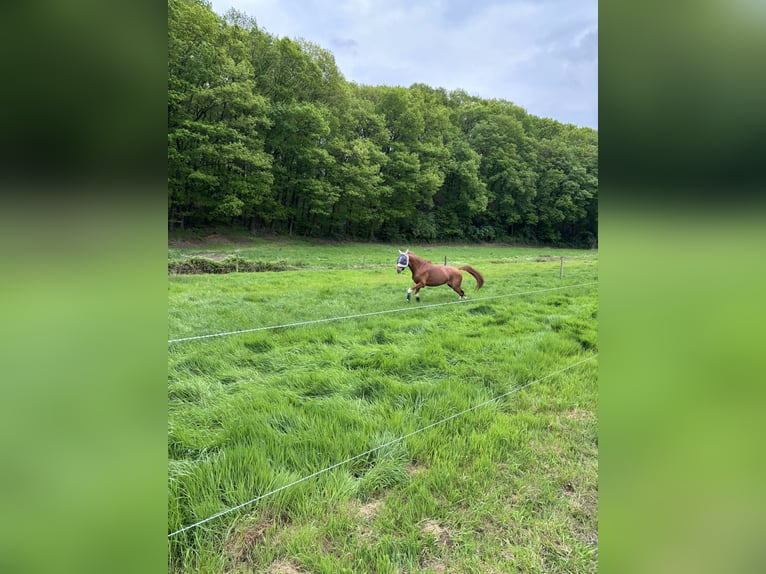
230, 264
193, 265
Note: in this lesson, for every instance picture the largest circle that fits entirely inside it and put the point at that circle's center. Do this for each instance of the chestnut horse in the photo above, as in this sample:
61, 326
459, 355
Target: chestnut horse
426, 274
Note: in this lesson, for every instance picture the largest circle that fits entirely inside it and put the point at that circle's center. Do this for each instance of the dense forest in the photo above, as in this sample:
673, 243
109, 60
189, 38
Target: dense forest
265, 132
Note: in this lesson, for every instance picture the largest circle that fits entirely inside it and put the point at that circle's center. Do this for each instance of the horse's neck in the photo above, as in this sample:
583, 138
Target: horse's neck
415, 261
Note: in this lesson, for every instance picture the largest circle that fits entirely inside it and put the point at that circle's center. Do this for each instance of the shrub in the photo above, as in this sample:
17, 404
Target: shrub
230, 264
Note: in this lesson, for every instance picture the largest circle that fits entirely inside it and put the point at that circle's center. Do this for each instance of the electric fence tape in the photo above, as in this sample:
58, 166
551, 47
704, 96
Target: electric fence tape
370, 314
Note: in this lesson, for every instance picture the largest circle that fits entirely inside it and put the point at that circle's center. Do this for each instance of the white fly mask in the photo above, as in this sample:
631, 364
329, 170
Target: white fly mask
402, 262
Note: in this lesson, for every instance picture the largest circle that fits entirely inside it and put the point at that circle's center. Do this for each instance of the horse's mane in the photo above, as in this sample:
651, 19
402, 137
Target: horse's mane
417, 258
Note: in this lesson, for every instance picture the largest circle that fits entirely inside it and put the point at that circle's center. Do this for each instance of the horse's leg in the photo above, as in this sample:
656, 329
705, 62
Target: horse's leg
455, 284
416, 288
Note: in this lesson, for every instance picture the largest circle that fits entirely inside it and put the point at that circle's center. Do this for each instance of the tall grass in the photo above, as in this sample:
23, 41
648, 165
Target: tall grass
510, 486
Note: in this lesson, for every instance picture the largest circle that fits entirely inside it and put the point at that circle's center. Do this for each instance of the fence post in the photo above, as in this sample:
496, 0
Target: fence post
561, 270
445, 260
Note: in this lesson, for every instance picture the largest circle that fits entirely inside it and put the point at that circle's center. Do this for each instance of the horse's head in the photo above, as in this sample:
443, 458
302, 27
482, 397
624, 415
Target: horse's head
402, 262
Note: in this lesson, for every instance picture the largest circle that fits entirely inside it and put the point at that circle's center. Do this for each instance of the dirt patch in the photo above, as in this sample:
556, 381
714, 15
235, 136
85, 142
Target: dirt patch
440, 533
370, 510
363, 516
434, 565
580, 415
545, 448
282, 567
241, 543
438, 561
415, 469
443, 538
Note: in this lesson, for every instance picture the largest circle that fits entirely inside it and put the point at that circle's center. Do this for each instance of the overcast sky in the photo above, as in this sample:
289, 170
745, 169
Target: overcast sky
541, 55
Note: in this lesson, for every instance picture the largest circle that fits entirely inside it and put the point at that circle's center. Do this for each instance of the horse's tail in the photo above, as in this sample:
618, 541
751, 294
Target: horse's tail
476, 275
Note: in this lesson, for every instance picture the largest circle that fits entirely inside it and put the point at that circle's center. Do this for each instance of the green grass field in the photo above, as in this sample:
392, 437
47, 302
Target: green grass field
302, 253
510, 486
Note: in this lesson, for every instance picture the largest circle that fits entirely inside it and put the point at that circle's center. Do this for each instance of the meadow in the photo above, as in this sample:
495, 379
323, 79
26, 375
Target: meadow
506, 479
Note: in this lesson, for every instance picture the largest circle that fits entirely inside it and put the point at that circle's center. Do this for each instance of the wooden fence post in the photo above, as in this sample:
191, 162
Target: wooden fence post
561, 271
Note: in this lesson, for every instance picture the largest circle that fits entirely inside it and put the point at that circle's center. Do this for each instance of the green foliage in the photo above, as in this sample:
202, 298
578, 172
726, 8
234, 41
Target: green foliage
265, 133
230, 264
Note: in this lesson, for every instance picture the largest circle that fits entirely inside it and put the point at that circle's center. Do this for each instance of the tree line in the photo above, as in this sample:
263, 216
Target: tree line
265, 132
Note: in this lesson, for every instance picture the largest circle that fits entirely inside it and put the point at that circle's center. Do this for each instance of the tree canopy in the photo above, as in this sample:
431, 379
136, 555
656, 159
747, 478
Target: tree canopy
266, 132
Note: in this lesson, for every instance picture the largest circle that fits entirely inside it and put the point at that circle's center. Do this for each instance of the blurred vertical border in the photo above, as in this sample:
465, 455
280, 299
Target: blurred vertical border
83, 287
683, 250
